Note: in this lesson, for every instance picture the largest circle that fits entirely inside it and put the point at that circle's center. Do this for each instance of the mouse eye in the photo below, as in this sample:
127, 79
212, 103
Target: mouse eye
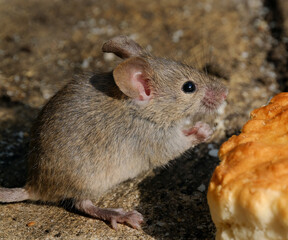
188, 87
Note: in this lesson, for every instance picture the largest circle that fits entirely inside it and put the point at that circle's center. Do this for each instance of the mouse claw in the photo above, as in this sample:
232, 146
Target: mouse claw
112, 215
200, 132
204, 131
132, 218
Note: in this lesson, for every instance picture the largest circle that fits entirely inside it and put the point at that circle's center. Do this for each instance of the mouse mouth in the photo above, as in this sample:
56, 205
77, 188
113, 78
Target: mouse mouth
211, 102
210, 105
215, 108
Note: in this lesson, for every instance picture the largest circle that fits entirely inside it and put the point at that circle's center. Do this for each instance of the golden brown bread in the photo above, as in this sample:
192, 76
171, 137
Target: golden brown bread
248, 192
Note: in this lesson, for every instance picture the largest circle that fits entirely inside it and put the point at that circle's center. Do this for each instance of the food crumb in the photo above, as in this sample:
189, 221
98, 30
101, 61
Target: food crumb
30, 224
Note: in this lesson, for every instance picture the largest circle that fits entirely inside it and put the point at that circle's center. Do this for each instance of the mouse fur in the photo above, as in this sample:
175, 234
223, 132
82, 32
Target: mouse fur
103, 129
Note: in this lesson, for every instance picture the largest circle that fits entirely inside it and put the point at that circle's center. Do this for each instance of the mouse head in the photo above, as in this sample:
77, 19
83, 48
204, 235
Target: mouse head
165, 89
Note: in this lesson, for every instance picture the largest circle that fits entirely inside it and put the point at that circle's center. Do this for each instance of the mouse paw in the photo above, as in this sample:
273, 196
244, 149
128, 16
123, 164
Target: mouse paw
132, 218
112, 215
200, 132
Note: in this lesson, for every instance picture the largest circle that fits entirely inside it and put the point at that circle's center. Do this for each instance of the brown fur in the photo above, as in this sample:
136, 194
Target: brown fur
91, 136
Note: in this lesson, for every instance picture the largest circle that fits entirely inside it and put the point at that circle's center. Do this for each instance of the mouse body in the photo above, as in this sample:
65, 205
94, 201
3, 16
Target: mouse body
103, 129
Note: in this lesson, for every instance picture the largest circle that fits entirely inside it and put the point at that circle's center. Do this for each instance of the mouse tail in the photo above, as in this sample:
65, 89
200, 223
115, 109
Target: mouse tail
13, 194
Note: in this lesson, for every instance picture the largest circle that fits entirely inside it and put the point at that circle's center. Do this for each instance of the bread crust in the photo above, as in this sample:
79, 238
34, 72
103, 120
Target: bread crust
248, 192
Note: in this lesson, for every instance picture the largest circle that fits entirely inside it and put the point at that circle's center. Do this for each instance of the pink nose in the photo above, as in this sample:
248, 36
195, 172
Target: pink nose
214, 94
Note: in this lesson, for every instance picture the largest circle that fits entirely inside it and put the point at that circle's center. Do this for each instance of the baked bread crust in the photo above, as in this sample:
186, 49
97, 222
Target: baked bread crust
248, 192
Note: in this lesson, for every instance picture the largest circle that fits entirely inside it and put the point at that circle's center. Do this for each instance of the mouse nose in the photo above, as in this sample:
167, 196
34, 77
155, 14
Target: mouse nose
218, 95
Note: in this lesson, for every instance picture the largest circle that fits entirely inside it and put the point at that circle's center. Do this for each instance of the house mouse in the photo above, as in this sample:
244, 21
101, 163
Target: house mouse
101, 130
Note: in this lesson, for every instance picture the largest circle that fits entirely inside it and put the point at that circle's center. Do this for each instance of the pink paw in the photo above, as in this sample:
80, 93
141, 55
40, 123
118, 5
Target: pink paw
201, 131
132, 218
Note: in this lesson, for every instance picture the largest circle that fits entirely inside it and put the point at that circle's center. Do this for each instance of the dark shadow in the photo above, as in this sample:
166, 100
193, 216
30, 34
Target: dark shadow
104, 82
278, 55
174, 201
14, 138
215, 70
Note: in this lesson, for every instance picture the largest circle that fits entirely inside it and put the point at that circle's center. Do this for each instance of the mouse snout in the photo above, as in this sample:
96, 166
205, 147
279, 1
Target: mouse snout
213, 98
217, 94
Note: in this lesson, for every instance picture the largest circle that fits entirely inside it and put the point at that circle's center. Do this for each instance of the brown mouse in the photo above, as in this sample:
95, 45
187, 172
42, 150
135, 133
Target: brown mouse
101, 130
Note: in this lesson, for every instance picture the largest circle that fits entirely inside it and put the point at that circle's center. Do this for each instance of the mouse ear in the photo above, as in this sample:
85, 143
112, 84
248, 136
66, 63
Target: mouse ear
123, 47
133, 79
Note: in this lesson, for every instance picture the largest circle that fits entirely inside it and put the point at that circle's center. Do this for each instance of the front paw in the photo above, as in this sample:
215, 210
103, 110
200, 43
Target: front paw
200, 132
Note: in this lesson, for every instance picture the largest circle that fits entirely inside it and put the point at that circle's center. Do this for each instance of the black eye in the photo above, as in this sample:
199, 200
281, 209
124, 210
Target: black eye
188, 87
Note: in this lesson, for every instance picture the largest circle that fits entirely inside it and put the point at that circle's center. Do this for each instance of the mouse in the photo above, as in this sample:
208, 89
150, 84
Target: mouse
102, 129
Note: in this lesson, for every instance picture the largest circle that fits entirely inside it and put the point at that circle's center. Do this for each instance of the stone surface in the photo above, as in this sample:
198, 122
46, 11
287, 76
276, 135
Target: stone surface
44, 44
